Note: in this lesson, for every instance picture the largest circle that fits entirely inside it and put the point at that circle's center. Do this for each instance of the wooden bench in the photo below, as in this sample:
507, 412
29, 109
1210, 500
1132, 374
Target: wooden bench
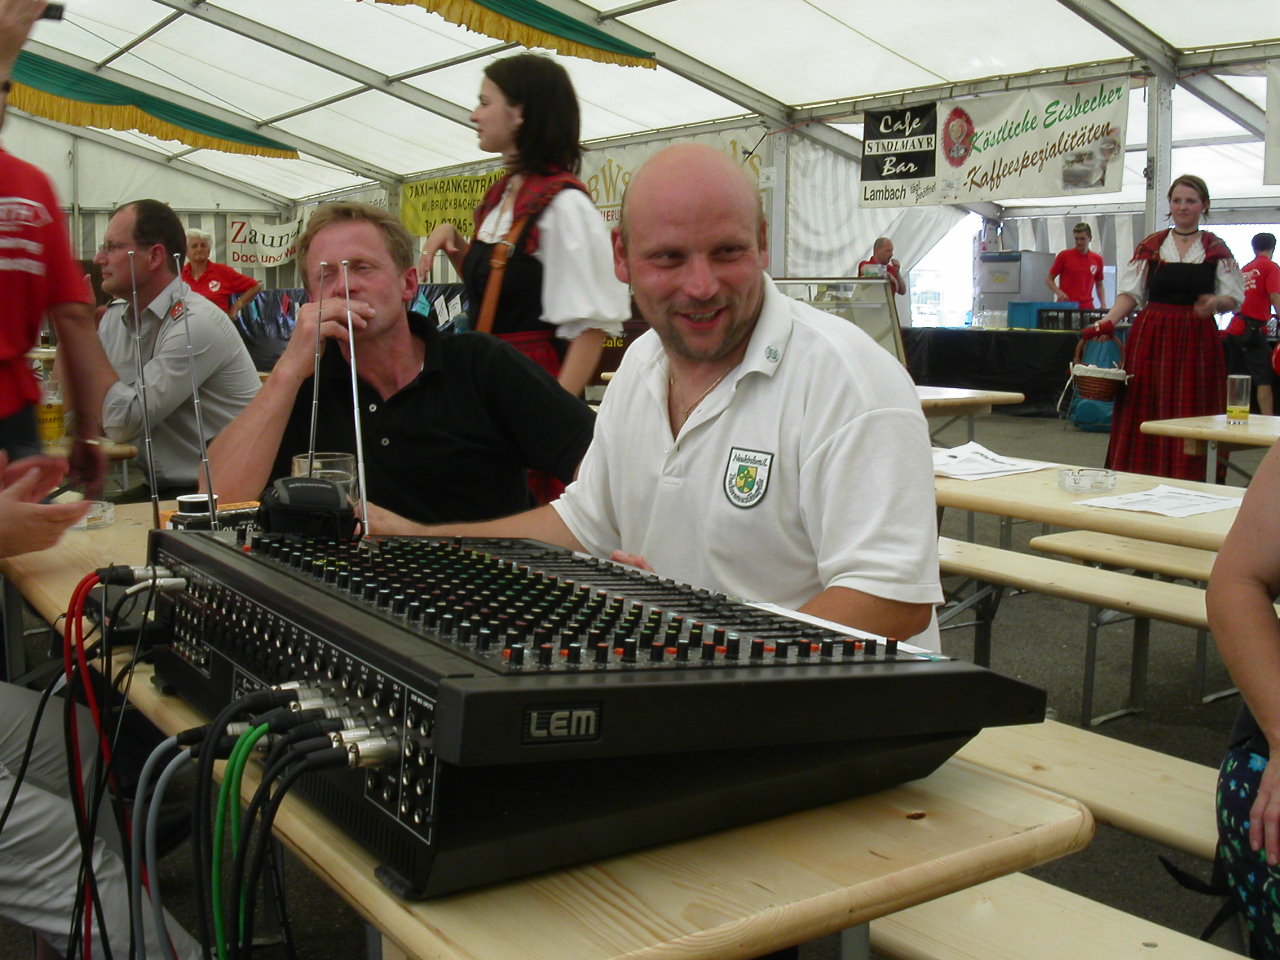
1142, 556
1143, 792
1142, 598
1140, 791
1129, 553
1018, 917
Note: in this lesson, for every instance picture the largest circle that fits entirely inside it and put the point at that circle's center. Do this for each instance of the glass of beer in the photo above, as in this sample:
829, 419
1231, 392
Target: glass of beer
338, 467
1238, 397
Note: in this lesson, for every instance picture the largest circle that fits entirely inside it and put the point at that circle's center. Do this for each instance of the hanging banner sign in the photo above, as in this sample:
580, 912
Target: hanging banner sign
425, 204
1271, 146
253, 243
1044, 142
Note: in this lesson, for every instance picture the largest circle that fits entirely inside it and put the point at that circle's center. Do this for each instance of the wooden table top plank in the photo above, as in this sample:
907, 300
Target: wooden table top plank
733, 894
1036, 496
1260, 431
958, 400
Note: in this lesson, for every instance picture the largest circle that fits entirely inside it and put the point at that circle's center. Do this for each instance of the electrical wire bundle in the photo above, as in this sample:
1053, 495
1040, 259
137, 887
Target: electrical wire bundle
305, 732
87, 794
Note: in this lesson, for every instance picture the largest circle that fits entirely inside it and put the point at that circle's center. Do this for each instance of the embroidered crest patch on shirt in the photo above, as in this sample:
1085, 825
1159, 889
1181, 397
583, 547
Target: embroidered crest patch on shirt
746, 478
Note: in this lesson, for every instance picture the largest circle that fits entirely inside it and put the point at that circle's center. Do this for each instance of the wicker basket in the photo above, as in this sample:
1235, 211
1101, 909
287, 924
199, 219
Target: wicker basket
1097, 383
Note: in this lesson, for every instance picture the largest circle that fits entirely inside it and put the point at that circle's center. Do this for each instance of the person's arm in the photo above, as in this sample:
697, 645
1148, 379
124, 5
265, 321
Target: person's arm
243, 300
889, 618
1055, 271
448, 238
896, 278
581, 360
1245, 579
16, 20
244, 452
541, 523
1102, 293
87, 375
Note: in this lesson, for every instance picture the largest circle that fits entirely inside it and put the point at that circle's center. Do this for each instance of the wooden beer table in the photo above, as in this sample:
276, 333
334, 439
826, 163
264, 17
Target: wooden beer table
1037, 496
1213, 437
733, 894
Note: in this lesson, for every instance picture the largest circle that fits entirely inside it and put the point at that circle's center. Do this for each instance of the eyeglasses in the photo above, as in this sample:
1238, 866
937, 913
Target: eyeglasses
110, 246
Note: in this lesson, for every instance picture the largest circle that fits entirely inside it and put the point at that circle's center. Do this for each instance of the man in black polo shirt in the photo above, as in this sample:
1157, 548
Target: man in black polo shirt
450, 422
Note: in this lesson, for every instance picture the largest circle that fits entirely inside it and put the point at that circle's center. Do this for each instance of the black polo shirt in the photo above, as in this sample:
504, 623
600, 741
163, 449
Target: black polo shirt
455, 443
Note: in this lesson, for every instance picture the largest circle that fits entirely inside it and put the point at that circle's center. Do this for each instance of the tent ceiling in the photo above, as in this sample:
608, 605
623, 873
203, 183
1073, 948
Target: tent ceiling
370, 91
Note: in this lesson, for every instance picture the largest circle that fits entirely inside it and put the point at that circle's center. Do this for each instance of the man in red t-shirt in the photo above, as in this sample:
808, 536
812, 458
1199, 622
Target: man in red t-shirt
1247, 347
216, 281
884, 264
38, 279
1078, 271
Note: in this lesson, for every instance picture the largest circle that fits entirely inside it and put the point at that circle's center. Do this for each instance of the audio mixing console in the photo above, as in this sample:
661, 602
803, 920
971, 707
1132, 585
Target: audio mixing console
533, 707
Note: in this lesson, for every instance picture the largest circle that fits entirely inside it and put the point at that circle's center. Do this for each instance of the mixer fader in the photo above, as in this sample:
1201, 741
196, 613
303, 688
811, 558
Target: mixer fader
533, 707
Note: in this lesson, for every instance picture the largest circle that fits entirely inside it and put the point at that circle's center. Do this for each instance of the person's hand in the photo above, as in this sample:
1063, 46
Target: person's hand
1264, 815
893, 262
631, 560
445, 237
16, 18
299, 355
49, 472
26, 524
1103, 328
1206, 306
88, 467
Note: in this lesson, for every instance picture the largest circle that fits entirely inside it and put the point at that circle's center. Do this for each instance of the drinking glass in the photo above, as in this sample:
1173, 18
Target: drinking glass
337, 467
1238, 389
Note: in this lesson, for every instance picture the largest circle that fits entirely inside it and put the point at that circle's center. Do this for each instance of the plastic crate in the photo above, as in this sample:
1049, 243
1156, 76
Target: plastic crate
1026, 313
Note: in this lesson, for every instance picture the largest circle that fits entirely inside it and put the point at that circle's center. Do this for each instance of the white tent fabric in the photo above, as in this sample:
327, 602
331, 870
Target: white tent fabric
374, 95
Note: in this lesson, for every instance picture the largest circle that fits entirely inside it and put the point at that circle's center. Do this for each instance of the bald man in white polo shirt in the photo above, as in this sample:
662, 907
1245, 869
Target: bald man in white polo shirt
748, 443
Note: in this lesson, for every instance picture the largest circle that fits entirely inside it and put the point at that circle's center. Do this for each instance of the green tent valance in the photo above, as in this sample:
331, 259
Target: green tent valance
55, 91
533, 24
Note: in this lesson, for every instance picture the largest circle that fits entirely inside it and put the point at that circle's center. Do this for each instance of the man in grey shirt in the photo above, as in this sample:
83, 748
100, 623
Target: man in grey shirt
138, 255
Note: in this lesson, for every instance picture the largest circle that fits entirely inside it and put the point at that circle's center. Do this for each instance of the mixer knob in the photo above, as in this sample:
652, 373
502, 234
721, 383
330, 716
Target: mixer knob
890, 647
629, 650
757, 650
733, 646
575, 653
828, 648
601, 652
682, 650
656, 651
708, 651
781, 649
848, 647
544, 654
517, 654
803, 649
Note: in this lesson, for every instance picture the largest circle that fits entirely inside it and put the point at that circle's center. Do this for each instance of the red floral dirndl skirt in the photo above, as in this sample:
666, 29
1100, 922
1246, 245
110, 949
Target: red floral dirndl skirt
1177, 368
539, 346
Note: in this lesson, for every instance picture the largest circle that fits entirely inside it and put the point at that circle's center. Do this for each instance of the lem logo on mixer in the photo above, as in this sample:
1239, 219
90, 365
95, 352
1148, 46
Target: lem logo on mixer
561, 724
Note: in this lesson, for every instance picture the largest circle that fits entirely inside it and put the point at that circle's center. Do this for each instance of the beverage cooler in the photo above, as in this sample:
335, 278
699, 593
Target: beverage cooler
1003, 276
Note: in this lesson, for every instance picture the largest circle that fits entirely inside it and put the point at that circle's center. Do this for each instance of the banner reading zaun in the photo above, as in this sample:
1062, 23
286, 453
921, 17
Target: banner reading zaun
1042, 142
252, 243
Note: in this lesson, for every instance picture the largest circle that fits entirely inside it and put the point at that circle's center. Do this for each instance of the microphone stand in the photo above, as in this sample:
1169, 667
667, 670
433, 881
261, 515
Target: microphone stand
355, 407
142, 392
315, 377
195, 396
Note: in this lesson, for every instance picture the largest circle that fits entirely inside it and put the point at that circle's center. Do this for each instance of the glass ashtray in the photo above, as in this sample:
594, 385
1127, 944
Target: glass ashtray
1086, 479
102, 513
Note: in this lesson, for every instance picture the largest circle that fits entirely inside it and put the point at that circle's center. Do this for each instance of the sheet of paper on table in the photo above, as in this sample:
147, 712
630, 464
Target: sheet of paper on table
1166, 500
973, 461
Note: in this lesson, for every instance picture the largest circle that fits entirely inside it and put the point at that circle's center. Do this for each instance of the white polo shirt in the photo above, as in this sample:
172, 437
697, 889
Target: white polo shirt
807, 467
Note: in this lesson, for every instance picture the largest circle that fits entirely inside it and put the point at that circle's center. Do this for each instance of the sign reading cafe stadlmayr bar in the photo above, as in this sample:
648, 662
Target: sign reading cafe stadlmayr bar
1043, 142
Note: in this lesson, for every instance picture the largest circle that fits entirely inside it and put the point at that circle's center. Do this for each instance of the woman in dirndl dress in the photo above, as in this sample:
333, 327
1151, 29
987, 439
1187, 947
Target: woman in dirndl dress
1174, 353
560, 299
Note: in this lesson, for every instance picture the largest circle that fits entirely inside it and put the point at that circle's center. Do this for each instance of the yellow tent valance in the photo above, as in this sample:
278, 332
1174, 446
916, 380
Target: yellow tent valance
532, 24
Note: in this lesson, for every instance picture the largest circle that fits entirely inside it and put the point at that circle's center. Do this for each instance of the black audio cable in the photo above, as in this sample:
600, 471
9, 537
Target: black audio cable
297, 752
202, 841
331, 758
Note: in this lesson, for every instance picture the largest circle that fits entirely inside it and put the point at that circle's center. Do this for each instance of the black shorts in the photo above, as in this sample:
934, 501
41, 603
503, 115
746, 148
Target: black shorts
1249, 352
